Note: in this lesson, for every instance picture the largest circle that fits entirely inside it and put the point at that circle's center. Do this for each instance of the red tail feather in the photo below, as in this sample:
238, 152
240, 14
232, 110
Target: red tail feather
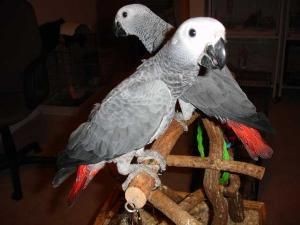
85, 173
78, 186
252, 140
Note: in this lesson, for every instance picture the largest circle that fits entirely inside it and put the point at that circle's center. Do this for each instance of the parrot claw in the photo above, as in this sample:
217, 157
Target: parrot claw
143, 155
179, 118
155, 155
136, 169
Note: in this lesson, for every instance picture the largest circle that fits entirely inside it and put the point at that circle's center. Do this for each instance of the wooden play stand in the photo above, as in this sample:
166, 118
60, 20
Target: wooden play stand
219, 204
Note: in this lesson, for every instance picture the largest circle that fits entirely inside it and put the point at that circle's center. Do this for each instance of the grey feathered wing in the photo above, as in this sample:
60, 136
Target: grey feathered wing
127, 121
217, 94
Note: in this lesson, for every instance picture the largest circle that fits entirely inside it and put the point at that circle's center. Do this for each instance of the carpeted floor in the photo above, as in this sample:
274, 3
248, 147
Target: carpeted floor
44, 205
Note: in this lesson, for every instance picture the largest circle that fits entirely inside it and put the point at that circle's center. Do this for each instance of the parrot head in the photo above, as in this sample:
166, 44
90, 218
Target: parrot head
204, 40
138, 20
128, 18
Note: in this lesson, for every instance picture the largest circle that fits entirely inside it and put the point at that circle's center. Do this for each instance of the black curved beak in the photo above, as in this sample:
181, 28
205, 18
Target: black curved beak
118, 30
214, 56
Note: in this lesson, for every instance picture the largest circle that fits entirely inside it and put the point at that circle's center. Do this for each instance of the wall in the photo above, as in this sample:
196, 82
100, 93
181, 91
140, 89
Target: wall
83, 11
90, 11
197, 8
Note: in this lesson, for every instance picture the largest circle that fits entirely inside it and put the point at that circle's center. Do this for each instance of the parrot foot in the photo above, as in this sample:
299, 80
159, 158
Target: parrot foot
179, 118
152, 155
123, 163
136, 169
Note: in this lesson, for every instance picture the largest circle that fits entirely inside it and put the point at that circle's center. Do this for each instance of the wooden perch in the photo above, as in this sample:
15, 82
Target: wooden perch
176, 196
208, 163
211, 177
141, 186
167, 141
224, 200
234, 198
190, 202
171, 209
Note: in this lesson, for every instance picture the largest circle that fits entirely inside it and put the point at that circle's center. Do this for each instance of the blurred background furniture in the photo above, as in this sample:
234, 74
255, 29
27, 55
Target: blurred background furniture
263, 41
254, 32
23, 83
289, 78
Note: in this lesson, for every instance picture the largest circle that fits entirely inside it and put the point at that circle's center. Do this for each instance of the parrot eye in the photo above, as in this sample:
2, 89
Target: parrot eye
192, 32
124, 14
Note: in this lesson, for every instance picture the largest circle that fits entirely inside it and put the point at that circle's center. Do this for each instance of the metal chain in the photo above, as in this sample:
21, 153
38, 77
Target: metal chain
136, 218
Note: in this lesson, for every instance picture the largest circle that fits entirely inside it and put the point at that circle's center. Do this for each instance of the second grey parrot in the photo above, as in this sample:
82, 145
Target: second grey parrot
139, 109
217, 94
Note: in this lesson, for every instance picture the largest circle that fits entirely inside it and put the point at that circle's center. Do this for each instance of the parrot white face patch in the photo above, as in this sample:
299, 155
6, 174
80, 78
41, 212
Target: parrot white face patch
196, 34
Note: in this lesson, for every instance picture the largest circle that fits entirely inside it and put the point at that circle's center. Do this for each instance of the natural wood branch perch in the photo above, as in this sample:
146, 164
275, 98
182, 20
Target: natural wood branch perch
211, 177
141, 186
171, 209
167, 141
190, 202
234, 198
176, 196
140, 189
231, 166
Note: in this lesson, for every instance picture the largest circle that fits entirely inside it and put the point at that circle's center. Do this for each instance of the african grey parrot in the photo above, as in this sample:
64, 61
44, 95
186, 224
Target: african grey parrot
217, 94
140, 108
